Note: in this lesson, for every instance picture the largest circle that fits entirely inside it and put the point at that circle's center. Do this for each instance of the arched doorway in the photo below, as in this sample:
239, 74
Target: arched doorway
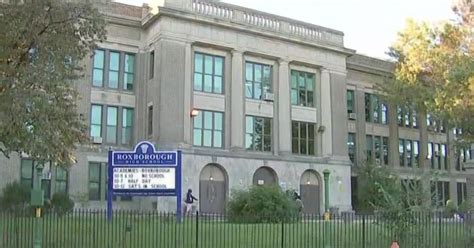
265, 176
310, 190
212, 189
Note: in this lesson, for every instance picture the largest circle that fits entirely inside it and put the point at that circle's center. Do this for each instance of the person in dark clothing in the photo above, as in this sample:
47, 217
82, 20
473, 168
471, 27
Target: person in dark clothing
189, 200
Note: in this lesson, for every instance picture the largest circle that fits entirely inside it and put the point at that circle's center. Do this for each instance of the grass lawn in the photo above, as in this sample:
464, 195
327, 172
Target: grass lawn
86, 229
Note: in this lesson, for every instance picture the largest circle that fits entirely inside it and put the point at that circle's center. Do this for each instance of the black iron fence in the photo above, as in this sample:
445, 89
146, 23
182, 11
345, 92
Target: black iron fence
90, 228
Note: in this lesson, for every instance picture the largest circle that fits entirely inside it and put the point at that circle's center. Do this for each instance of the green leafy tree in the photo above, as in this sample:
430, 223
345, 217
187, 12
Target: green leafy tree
435, 72
41, 45
399, 203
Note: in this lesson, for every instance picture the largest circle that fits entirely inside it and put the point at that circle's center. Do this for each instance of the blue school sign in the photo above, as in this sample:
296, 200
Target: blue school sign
144, 172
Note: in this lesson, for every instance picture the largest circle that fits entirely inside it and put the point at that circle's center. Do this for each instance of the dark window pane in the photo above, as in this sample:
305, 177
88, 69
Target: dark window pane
367, 107
294, 145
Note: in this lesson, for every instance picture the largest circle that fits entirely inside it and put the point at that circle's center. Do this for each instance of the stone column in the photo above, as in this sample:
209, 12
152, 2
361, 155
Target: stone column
187, 94
338, 127
326, 118
394, 158
284, 108
237, 102
359, 96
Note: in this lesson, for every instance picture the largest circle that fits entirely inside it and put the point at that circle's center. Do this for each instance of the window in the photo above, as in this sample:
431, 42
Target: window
368, 107
303, 138
438, 155
414, 119
399, 116
208, 73
351, 144
385, 150
429, 120
27, 171
152, 64
258, 133
61, 180
440, 193
408, 151
96, 121
464, 154
375, 111
444, 158
302, 88
416, 153
401, 150
95, 178
110, 70
98, 68
350, 101
114, 65
115, 132
150, 120
257, 80
378, 149
368, 148
129, 72
430, 154
208, 129
406, 117
26, 175
112, 124
127, 126
462, 192
434, 124
384, 113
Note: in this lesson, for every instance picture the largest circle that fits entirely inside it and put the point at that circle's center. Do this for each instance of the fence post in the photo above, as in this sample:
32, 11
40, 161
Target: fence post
282, 234
197, 229
439, 231
363, 231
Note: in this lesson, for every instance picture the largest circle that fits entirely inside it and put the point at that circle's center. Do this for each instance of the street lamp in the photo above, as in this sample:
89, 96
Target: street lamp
194, 113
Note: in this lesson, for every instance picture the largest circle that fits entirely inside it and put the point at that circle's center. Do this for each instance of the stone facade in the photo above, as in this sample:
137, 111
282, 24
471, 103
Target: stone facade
164, 45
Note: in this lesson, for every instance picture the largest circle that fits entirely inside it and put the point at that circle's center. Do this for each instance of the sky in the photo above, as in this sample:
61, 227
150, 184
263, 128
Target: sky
369, 26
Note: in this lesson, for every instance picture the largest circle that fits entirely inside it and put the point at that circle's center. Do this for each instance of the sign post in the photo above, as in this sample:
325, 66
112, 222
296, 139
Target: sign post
144, 172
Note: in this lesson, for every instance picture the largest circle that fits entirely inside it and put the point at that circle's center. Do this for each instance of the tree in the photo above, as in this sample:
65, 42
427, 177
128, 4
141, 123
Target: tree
41, 45
435, 72
465, 9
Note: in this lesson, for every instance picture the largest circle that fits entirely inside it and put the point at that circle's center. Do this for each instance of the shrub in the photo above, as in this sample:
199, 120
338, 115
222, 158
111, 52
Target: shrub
61, 203
14, 197
464, 207
261, 204
450, 209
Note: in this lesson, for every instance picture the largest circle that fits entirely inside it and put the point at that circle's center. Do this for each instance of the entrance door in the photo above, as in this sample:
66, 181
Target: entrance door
212, 189
264, 176
310, 192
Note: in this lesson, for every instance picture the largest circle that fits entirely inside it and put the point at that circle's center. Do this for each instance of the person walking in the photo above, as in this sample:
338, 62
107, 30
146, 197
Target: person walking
299, 204
189, 200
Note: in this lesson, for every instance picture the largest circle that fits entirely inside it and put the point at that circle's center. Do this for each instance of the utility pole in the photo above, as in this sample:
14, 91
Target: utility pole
327, 215
37, 201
